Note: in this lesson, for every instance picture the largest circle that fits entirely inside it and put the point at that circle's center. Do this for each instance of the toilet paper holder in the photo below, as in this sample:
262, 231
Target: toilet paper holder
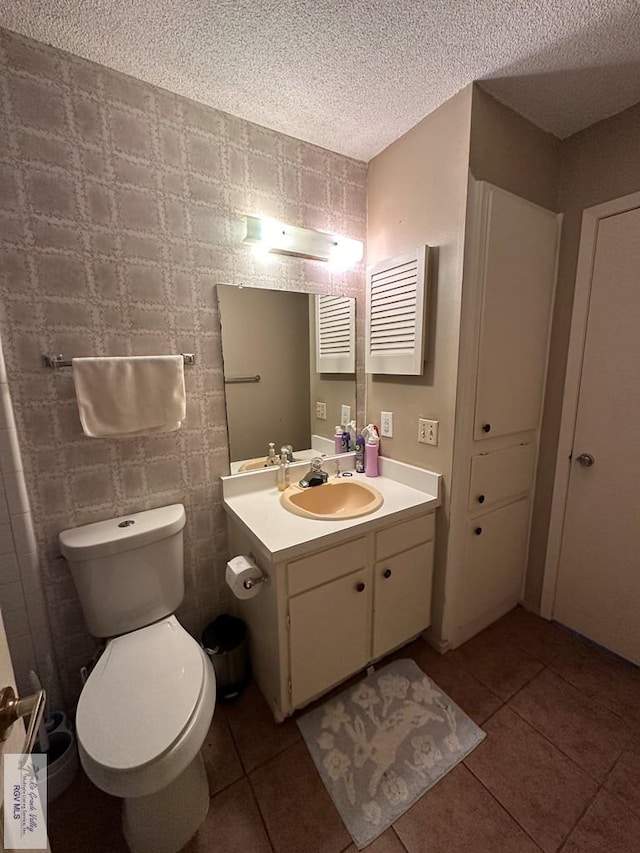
249, 583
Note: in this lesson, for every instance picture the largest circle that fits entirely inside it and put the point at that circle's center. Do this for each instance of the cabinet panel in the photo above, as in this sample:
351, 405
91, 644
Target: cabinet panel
402, 597
330, 634
494, 562
518, 277
405, 535
326, 565
500, 475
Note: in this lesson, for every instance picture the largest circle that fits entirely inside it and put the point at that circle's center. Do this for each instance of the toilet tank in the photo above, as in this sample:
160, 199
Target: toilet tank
129, 571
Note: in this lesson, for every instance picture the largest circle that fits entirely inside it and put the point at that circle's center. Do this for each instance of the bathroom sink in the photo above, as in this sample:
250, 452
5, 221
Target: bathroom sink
255, 464
335, 499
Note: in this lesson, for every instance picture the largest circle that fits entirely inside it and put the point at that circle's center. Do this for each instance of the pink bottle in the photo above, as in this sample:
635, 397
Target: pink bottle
371, 451
337, 440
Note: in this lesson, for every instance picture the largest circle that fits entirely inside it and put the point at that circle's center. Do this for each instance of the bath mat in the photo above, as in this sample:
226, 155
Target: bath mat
381, 744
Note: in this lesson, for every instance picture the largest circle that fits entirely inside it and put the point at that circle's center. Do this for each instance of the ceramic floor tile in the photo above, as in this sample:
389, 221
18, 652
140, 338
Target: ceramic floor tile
538, 785
388, 842
539, 638
587, 732
256, 734
220, 755
606, 827
458, 815
624, 780
604, 677
502, 667
296, 806
233, 824
85, 818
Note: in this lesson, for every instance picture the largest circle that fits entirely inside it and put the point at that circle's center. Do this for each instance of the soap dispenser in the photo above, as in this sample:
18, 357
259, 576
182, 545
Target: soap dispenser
372, 448
284, 471
337, 440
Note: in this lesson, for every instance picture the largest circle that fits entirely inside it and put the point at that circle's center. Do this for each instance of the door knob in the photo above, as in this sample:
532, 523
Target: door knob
12, 708
586, 460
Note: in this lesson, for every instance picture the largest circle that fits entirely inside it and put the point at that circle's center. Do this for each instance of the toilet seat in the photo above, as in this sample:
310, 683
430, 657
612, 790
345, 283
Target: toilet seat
143, 707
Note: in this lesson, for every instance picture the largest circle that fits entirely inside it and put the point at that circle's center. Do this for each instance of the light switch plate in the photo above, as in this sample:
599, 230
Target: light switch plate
321, 411
345, 415
386, 424
428, 431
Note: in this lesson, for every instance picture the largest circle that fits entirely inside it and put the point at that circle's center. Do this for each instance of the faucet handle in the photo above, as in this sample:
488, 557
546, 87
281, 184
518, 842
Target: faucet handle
316, 463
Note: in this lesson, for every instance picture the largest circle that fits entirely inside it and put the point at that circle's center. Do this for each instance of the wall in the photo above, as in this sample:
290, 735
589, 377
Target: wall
597, 164
509, 151
417, 193
120, 211
265, 332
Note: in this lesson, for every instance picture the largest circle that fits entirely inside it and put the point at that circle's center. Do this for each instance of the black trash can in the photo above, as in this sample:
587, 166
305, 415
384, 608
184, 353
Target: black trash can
225, 641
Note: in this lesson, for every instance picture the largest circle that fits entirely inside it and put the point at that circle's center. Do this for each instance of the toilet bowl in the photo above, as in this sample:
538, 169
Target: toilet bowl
145, 710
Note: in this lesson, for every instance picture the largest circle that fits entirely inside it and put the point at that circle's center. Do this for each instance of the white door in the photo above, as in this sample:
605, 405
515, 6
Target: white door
598, 588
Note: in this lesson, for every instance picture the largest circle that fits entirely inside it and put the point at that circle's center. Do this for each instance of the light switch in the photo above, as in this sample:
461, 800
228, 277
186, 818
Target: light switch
428, 431
345, 415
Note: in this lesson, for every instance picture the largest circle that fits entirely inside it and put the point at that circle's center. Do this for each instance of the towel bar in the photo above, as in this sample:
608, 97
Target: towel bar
56, 361
236, 380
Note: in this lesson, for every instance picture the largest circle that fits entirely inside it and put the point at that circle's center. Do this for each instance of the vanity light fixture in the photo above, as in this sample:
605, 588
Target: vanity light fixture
269, 235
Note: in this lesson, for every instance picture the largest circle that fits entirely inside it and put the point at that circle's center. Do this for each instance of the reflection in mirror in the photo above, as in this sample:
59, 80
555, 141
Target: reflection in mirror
273, 390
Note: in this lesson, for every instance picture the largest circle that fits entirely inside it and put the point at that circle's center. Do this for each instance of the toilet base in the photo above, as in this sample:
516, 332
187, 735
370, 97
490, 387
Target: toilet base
163, 822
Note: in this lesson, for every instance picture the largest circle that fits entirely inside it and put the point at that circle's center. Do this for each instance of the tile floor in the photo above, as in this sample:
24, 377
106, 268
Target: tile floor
559, 770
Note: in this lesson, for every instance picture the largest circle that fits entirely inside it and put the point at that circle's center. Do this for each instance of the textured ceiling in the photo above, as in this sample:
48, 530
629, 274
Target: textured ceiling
353, 75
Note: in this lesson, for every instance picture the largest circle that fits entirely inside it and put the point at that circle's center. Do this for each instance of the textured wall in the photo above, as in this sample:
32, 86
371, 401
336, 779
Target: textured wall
119, 212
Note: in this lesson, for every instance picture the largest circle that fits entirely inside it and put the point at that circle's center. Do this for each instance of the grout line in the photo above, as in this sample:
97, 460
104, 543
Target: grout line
395, 832
262, 818
580, 816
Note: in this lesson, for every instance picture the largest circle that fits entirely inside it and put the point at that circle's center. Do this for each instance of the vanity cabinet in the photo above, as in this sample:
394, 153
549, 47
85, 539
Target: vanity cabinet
329, 612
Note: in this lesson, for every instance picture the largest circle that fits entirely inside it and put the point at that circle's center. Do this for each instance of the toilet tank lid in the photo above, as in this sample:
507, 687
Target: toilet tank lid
113, 536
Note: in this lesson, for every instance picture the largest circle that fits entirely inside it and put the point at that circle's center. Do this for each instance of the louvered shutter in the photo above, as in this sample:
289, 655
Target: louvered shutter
335, 334
396, 309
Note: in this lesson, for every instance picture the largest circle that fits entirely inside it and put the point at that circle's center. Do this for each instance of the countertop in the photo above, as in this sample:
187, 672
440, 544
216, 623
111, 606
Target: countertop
253, 500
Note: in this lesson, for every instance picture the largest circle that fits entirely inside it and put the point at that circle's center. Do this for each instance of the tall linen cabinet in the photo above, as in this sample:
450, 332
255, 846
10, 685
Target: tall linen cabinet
510, 269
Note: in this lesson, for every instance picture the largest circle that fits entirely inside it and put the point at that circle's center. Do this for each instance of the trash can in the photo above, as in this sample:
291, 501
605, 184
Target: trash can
225, 641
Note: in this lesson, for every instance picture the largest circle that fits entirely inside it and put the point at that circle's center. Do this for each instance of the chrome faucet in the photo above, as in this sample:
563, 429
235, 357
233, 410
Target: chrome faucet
315, 476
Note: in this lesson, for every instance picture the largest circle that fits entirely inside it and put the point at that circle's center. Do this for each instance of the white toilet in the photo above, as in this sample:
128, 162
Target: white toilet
146, 708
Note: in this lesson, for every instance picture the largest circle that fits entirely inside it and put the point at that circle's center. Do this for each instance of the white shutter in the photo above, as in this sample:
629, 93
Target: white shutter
396, 314
335, 334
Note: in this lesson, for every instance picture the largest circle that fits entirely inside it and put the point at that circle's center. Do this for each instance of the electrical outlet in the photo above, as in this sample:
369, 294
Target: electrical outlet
321, 411
428, 431
345, 415
386, 424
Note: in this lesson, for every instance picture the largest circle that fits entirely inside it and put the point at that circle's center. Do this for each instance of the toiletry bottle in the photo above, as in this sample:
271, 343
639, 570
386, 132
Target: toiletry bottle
272, 459
372, 448
337, 440
360, 454
284, 472
346, 440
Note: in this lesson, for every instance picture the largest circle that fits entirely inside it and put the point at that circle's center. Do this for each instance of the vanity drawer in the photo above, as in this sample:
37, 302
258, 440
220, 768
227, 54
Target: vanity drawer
327, 565
405, 535
500, 475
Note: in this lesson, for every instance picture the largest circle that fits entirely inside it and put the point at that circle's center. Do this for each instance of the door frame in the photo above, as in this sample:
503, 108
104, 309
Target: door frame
591, 218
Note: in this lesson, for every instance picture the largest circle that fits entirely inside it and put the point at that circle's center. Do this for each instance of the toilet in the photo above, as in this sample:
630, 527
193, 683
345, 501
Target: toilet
145, 710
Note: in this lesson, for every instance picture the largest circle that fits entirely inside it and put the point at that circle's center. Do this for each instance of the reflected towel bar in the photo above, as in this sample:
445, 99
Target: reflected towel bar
56, 361
235, 380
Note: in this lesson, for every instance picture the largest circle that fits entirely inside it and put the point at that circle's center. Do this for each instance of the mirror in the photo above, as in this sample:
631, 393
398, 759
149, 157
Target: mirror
273, 390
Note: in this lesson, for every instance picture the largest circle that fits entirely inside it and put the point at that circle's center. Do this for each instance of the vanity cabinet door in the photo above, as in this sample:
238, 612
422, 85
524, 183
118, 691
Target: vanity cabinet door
329, 635
402, 597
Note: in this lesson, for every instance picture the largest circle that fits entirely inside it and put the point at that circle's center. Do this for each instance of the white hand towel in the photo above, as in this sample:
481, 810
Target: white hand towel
128, 396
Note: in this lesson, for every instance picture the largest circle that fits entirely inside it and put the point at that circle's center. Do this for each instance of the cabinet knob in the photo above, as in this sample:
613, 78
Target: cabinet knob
478, 531
386, 573
480, 499
486, 427
360, 586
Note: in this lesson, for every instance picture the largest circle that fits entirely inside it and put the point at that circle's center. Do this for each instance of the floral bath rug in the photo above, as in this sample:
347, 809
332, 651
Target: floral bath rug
381, 744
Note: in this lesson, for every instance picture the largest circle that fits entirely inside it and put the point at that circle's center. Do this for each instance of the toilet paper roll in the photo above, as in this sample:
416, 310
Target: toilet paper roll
239, 570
